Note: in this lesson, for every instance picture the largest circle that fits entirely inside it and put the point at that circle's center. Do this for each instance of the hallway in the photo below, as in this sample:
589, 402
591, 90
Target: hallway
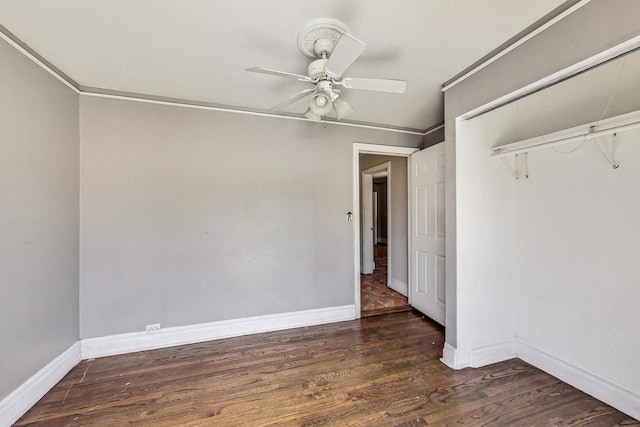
375, 296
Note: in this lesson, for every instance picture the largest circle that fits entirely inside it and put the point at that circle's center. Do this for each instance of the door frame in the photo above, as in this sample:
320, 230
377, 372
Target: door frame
367, 186
385, 150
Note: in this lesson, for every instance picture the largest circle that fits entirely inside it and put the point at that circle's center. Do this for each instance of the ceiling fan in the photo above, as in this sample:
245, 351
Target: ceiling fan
334, 50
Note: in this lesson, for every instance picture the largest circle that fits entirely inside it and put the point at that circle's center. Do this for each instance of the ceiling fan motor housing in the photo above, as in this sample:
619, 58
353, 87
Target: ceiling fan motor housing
323, 47
316, 68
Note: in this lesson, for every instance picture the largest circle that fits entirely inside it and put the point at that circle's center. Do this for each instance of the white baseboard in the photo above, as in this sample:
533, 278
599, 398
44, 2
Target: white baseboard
138, 341
611, 392
398, 286
596, 385
454, 358
26, 395
492, 353
478, 356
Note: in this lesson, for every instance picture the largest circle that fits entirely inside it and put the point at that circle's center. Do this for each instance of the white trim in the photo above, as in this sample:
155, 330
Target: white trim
355, 217
367, 261
492, 353
479, 356
38, 61
28, 393
602, 388
556, 77
228, 109
398, 286
389, 150
363, 148
516, 44
620, 396
454, 358
433, 129
410, 227
168, 337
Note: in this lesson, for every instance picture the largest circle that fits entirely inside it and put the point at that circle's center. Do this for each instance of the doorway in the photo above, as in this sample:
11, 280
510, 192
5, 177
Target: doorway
381, 198
381, 251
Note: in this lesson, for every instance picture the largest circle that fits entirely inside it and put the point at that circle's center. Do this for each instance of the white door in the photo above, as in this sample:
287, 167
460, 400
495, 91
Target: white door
367, 224
427, 287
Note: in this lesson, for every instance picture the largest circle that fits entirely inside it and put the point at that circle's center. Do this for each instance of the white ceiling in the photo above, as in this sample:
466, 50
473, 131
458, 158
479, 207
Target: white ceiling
198, 49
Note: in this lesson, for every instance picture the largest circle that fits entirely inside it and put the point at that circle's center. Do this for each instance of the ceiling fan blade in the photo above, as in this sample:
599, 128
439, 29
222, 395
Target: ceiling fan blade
381, 85
344, 54
278, 73
298, 96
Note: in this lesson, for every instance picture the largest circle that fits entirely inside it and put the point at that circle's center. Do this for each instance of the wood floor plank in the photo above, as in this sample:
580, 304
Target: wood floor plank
378, 371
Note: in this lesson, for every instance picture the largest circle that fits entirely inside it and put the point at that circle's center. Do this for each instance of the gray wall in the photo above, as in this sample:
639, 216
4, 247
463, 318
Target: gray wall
433, 138
398, 233
595, 27
38, 218
191, 216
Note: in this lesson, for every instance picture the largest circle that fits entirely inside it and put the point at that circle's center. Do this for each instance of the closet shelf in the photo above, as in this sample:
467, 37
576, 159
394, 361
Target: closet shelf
603, 131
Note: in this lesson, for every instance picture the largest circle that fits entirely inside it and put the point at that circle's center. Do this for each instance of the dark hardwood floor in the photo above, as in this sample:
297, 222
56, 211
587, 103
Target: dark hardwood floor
375, 296
377, 371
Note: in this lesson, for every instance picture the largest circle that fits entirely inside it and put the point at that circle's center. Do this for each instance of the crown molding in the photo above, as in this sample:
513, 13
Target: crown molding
26, 50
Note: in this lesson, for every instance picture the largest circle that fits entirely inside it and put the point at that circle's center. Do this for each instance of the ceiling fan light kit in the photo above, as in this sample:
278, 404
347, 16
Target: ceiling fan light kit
342, 107
321, 102
309, 114
334, 50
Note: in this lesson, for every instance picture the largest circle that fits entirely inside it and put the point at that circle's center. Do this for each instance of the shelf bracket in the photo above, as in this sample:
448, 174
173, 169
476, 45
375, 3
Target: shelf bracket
609, 148
519, 168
